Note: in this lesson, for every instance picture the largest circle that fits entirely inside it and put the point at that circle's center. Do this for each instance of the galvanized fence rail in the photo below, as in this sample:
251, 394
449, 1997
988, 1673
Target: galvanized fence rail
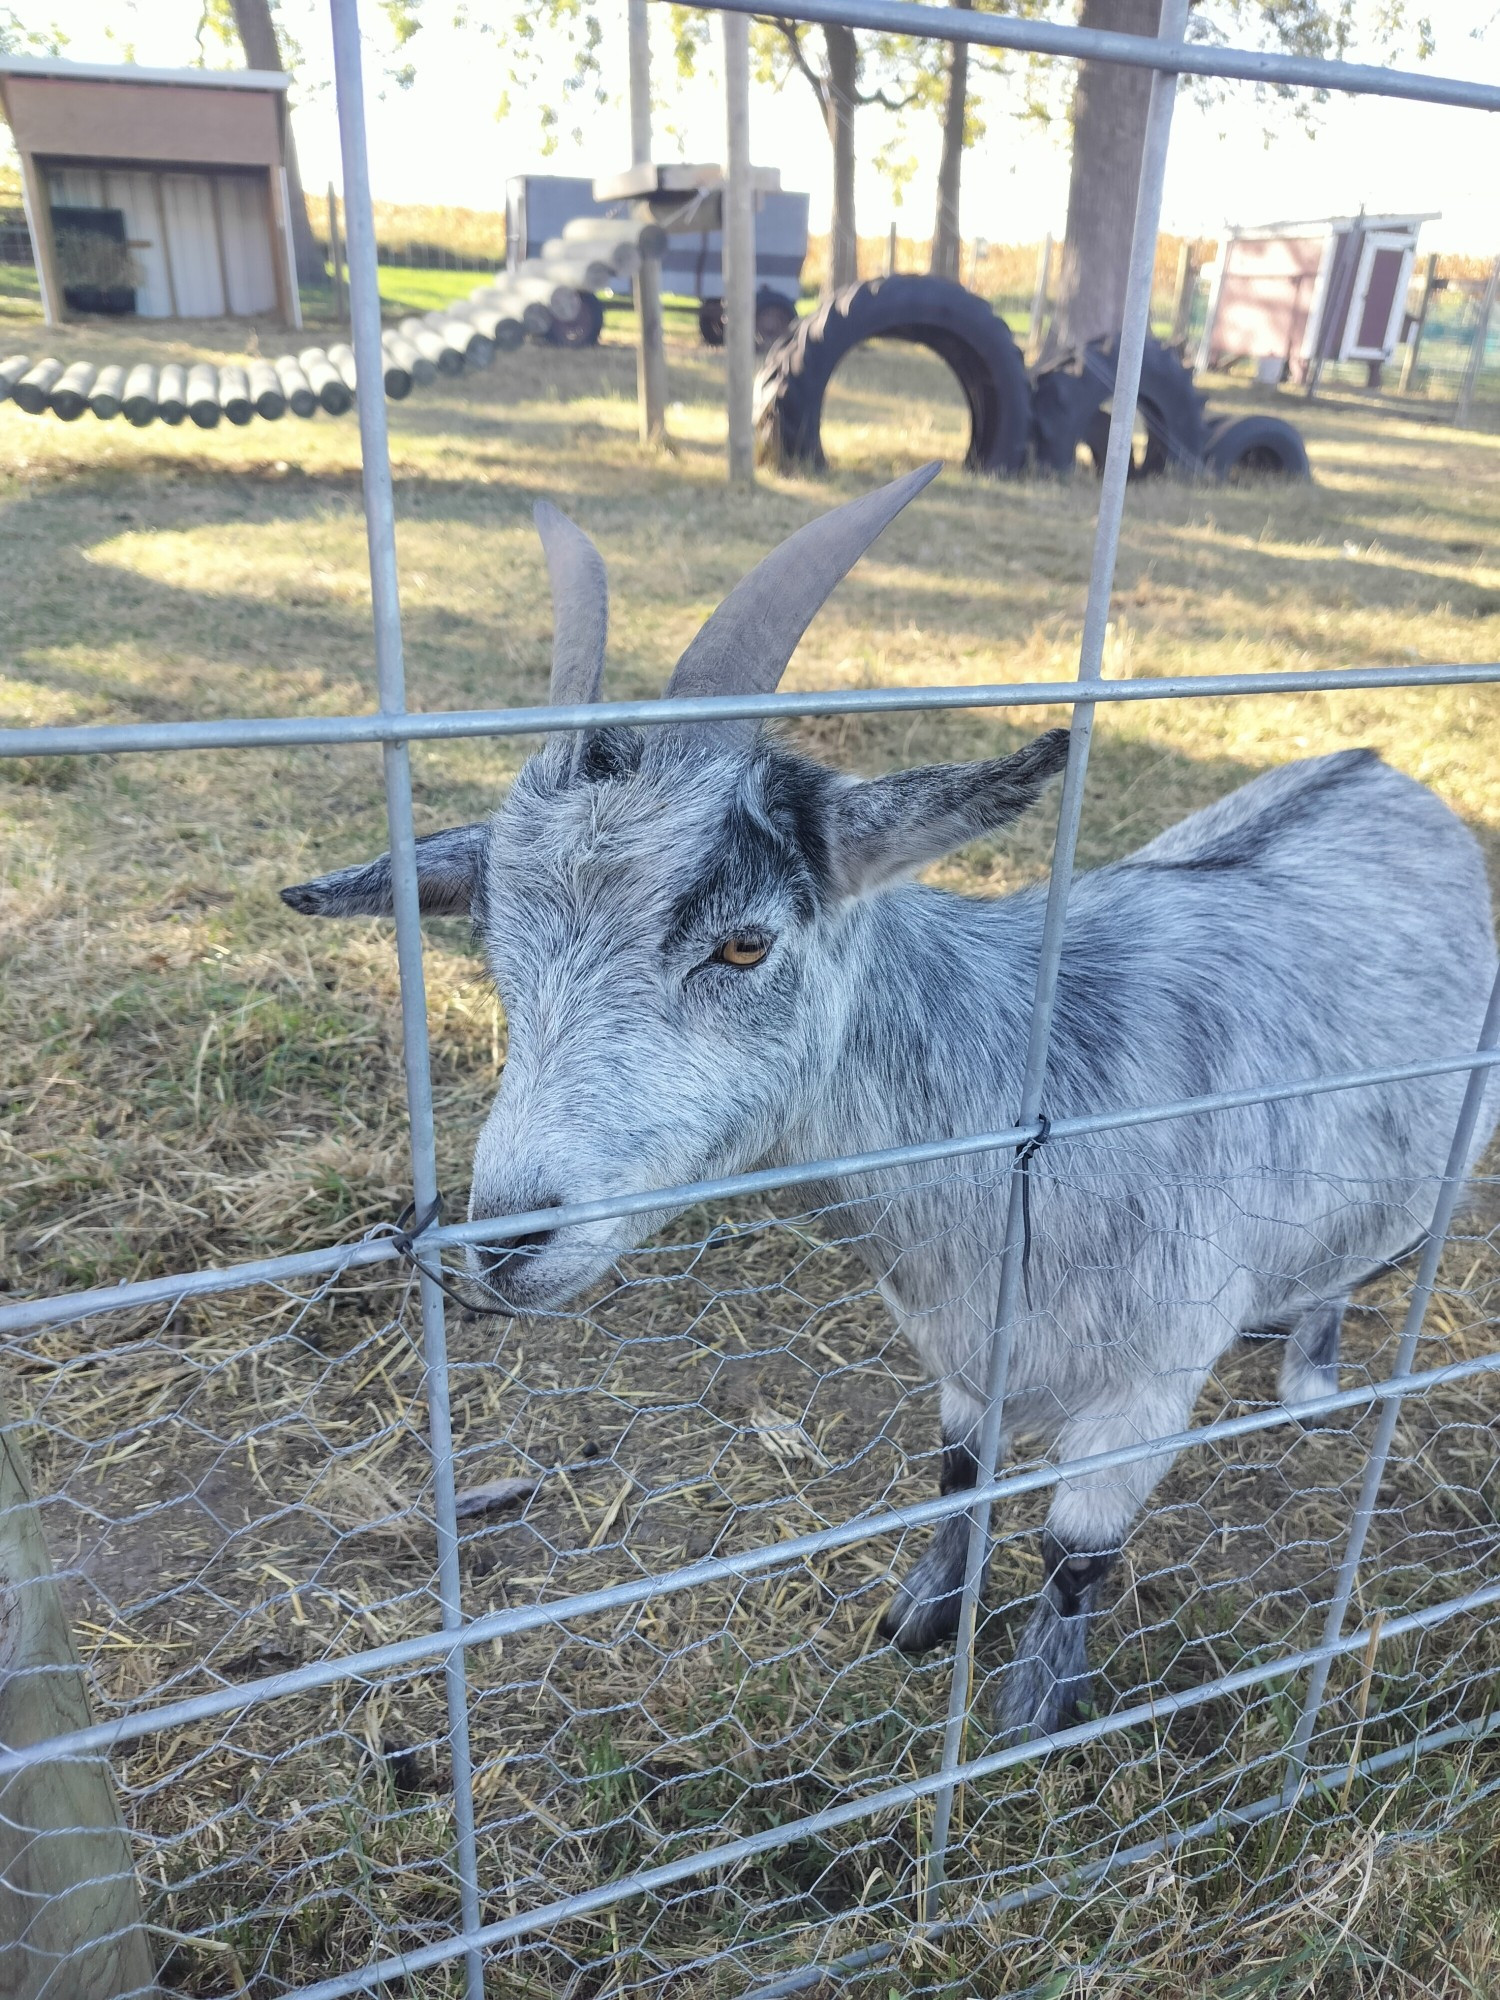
666, 1905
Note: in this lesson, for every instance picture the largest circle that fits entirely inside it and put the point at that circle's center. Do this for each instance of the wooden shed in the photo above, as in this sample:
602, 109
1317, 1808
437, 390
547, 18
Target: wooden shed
1293, 295
159, 192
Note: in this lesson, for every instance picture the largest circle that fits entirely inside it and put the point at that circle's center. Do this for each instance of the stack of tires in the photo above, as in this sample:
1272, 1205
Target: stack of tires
1042, 420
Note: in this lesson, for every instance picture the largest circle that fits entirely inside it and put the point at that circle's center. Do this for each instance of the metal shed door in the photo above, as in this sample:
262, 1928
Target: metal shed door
1379, 295
193, 245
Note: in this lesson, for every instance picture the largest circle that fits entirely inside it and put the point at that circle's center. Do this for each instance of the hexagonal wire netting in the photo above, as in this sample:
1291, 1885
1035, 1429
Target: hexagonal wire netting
594, 1702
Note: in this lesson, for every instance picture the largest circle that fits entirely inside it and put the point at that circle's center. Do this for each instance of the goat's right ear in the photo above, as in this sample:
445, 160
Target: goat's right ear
448, 872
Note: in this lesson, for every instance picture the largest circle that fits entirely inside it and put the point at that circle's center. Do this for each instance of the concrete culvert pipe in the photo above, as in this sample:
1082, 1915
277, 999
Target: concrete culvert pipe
505, 331
70, 398
434, 346
12, 368
36, 385
400, 351
108, 392
203, 395
648, 239
325, 381
234, 394
474, 349
930, 312
295, 386
140, 403
170, 394
266, 391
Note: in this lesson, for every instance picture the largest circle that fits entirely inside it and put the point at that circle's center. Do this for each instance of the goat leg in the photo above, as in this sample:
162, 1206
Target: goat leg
1047, 1685
924, 1611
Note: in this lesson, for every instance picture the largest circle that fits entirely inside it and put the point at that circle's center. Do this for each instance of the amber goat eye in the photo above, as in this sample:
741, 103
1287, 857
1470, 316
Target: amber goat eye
743, 950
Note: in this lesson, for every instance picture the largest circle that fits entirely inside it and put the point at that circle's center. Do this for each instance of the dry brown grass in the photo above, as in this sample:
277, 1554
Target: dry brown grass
193, 1076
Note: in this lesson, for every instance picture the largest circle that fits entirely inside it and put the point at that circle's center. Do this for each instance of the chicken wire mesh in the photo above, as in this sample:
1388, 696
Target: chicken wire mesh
226, 1503
669, 1751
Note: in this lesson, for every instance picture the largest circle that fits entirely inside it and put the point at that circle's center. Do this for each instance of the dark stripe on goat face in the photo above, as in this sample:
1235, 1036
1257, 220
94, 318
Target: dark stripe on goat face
771, 849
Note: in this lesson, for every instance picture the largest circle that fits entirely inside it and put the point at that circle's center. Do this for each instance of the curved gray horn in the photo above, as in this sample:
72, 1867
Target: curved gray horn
745, 646
580, 605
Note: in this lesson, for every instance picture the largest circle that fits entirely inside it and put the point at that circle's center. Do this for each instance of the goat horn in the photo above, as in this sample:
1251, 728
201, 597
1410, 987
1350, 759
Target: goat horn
745, 646
580, 606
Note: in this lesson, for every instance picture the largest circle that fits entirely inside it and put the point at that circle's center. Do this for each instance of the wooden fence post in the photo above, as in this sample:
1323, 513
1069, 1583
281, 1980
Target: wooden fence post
1414, 344
70, 1912
1182, 293
651, 352
336, 256
739, 252
1475, 362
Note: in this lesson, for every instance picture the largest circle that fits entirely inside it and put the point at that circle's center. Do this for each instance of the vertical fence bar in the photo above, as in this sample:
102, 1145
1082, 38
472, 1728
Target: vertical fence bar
1142, 266
1454, 1174
380, 529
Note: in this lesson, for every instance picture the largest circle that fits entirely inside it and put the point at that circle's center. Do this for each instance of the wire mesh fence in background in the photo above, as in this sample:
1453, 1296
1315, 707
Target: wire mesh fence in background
543, 1651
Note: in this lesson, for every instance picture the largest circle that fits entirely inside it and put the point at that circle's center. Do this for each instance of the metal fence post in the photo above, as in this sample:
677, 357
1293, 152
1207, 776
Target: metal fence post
1133, 337
380, 529
1454, 1174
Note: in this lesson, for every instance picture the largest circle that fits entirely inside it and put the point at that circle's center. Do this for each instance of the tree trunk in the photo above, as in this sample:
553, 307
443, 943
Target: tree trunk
843, 82
257, 33
1109, 129
947, 240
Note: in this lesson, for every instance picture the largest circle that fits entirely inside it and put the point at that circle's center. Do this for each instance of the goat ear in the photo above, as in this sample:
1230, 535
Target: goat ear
887, 827
448, 870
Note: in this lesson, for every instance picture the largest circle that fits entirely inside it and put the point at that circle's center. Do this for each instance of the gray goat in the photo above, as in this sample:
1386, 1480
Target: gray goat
711, 957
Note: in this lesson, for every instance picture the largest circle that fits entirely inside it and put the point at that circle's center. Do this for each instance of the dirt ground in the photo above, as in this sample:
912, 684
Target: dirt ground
191, 1075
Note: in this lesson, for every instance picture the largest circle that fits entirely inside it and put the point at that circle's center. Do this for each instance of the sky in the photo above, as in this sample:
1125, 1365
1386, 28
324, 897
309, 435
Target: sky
1237, 159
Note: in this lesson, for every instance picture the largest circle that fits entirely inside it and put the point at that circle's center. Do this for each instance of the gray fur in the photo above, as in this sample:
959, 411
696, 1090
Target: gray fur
1330, 915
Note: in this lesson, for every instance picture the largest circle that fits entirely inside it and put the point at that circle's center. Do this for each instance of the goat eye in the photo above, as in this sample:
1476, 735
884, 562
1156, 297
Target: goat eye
743, 950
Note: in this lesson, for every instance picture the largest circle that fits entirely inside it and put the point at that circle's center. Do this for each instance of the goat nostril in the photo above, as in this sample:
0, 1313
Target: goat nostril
537, 1240
515, 1250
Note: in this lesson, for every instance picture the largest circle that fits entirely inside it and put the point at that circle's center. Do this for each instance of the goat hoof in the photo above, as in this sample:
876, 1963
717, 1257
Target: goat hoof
1034, 1701
917, 1624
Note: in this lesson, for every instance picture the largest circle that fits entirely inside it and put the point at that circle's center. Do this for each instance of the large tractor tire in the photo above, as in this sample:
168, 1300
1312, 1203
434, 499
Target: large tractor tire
1072, 409
930, 312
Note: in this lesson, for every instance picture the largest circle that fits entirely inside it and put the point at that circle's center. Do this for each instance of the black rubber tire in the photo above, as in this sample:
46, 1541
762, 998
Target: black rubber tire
1256, 447
1071, 396
774, 316
584, 329
931, 312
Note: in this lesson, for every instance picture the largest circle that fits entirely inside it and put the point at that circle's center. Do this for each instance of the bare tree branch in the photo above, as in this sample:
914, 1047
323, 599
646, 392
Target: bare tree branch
791, 32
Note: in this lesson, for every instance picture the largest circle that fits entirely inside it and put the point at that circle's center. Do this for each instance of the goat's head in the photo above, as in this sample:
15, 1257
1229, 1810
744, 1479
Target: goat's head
666, 911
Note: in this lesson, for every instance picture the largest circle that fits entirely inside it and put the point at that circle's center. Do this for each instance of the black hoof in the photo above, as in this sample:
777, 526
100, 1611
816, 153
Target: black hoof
916, 1625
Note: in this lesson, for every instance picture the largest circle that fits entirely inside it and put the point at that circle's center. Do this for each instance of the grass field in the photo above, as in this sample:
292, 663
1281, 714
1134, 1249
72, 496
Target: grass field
191, 1075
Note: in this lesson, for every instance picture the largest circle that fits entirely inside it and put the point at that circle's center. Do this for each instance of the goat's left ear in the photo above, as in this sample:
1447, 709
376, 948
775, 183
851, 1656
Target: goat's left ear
448, 872
887, 827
